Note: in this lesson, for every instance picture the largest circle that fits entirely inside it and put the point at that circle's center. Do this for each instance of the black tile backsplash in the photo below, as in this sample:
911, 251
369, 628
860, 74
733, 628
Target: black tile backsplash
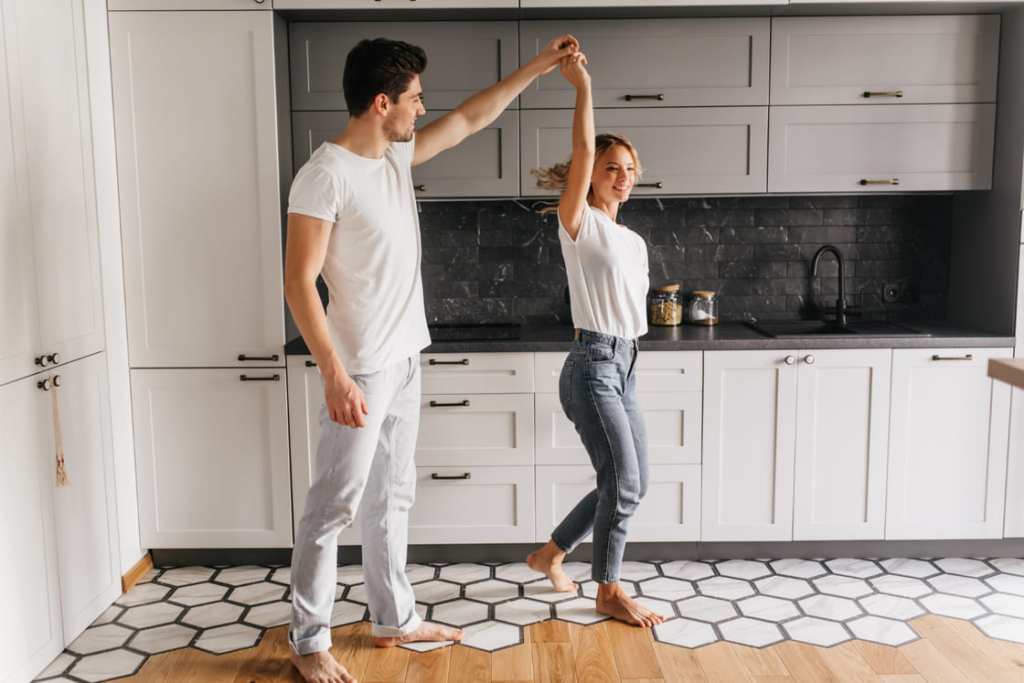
492, 262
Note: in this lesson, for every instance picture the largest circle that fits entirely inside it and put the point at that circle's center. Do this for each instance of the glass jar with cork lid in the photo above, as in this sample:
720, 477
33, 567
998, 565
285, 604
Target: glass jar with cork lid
702, 307
665, 305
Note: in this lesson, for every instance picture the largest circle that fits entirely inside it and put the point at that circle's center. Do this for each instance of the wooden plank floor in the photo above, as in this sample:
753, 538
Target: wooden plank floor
949, 650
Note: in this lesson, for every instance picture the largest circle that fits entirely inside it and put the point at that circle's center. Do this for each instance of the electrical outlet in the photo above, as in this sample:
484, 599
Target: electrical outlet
892, 292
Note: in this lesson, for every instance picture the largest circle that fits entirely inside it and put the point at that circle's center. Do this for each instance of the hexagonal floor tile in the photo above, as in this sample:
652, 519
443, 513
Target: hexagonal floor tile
427, 646
492, 591
518, 572
420, 572
544, 591
688, 570
743, 569
800, 569
359, 593
843, 586
145, 616
577, 571
661, 607
891, 606
784, 587
352, 574
638, 571
881, 630
685, 633
100, 638
198, 594
523, 612
816, 631
228, 638
666, 588
1007, 583
964, 566
107, 665
1001, 603
345, 612
428, 592
706, 609
829, 607
465, 572
752, 632
459, 612
183, 576
905, 566
282, 576
964, 586
143, 594
1003, 627
239, 576
952, 606
1009, 565
162, 638
904, 586
725, 588
491, 636
257, 593
269, 615
216, 614
57, 666
108, 615
849, 566
579, 611
767, 608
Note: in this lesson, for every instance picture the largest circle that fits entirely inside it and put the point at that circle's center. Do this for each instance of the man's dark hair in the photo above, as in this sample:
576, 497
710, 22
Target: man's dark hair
379, 66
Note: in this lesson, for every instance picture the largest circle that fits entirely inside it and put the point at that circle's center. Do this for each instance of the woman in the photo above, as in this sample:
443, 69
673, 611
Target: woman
606, 265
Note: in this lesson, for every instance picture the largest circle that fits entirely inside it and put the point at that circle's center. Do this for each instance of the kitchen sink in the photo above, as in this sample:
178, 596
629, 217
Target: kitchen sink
822, 328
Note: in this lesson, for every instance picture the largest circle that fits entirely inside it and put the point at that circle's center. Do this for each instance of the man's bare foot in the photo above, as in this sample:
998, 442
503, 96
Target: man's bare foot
548, 561
428, 631
614, 602
321, 667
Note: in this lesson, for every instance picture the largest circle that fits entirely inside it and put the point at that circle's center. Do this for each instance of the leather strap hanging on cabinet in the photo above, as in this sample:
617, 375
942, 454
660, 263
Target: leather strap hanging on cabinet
58, 436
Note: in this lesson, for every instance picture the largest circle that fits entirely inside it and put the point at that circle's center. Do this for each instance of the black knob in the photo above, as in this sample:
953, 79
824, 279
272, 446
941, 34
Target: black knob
43, 384
41, 361
53, 358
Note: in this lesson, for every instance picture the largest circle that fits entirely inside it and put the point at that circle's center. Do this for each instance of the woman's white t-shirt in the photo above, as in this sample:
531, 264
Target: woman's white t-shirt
607, 269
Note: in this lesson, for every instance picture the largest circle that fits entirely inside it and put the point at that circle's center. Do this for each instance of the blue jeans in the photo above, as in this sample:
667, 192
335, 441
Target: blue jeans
597, 388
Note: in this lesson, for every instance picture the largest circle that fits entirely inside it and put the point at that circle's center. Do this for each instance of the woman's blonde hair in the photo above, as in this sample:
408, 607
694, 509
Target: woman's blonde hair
557, 177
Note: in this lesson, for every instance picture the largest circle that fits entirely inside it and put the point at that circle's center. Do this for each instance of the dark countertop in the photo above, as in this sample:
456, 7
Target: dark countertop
726, 336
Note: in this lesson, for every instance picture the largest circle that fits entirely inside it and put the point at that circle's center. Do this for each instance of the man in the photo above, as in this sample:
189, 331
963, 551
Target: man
352, 217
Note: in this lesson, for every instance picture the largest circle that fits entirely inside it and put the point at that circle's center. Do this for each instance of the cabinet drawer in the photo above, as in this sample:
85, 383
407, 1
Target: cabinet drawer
673, 421
687, 62
881, 149
475, 429
477, 373
473, 505
836, 60
655, 371
669, 512
702, 150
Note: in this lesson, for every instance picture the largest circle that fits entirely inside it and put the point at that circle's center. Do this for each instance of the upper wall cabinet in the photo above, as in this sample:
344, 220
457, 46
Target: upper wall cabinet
663, 63
187, 4
881, 149
704, 150
396, 4
882, 60
462, 58
197, 161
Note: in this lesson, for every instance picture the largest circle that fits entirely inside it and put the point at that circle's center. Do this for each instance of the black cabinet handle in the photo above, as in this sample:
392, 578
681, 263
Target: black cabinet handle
878, 181
247, 378
460, 404
310, 364
882, 93
420, 188
660, 97
657, 185
465, 475
244, 357
434, 361
969, 356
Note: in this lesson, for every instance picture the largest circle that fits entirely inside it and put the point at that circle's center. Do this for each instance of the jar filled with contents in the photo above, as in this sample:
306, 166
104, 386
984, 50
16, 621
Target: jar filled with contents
665, 305
702, 308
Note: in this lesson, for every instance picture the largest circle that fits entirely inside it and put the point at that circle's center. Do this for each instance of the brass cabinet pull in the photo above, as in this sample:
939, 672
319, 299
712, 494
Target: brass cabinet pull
969, 356
435, 476
657, 185
434, 361
249, 378
660, 97
879, 181
882, 93
459, 404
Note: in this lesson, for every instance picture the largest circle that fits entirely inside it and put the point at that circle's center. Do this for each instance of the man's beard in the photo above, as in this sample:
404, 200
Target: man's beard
395, 135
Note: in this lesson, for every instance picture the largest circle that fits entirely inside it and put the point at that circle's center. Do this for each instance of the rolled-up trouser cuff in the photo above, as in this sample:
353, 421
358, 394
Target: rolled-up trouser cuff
321, 642
379, 631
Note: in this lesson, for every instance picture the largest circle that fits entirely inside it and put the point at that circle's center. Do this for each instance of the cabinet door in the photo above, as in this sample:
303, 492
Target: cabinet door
30, 630
657, 62
902, 148
656, 371
842, 438
187, 4
396, 4
211, 448
640, 4
197, 169
462, 57
475, 429
477, 373
485, 164
1014, 526
749, 430
948, 445
702, 150
884, 60
86, 511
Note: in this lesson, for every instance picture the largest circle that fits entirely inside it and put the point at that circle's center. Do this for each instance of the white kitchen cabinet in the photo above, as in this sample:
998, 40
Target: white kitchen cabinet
396, 4
587, 4
657, 62
1014, 524
116, 5
475, 429
656, 371
698, 150
30, 630
211, 448
842, 423
895, 148
749, 445
477, 373
669, 512
884, 59
948, 445
198, 177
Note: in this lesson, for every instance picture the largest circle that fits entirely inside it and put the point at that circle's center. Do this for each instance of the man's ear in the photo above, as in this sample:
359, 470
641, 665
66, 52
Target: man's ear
381, 103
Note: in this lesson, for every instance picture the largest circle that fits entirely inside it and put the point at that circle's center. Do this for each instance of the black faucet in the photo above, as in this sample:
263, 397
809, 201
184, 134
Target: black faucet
841, 301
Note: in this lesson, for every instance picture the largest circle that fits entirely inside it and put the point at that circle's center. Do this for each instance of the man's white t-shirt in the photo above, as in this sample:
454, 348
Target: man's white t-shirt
376, 315
607, 269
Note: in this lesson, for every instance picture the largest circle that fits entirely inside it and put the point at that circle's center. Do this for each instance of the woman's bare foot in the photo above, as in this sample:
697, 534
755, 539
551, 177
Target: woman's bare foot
548, 561
428, 631
614, 602
321, 667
